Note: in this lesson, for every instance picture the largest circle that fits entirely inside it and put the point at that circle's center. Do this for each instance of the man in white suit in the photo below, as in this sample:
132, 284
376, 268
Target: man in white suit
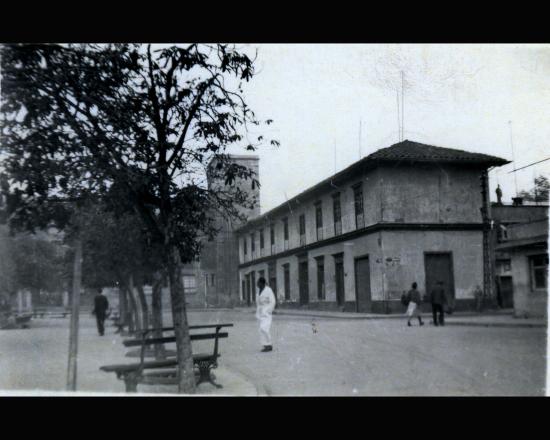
264, 309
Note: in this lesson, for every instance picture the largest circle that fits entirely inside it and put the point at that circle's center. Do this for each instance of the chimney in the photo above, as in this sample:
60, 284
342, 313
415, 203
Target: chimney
518, 201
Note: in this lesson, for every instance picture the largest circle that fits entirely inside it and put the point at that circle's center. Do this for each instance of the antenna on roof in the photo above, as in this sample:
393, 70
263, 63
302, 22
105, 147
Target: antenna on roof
398, 117
402, 106
513, 157
360, 124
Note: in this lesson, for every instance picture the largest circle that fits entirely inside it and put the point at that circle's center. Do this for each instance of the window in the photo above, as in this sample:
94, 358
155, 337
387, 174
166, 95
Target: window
539, 271
502, 233
261, 239
252, 244
337, 210
302, 227
321, 278
189, 283
285, 232
358, 204
285, 228
212, 279
272, 234
504, 265
319, 220
286, 272
245, 246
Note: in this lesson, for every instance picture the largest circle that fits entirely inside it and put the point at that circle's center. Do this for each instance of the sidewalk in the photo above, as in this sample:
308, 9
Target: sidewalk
45, 344
493, 318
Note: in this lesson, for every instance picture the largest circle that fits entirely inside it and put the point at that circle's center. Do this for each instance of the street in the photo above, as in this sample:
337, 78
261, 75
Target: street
312, 356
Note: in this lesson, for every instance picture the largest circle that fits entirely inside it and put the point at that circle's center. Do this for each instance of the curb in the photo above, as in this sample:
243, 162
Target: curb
495, 324
359, 316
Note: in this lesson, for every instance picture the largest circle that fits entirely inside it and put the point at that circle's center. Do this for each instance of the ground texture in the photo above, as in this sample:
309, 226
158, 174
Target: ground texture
312, 356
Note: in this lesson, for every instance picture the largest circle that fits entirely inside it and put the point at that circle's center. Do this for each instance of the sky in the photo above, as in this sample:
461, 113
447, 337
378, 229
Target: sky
332, 104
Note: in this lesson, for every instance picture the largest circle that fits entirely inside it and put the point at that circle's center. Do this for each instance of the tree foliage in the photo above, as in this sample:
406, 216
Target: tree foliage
539, 193
79, 118
32, 263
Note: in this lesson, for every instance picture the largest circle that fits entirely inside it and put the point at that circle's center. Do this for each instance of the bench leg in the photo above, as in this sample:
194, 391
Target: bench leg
130, 380
205, 374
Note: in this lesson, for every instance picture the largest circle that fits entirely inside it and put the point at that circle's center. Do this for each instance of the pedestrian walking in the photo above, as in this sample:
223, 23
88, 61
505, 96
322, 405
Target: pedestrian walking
264, 309
101, 304
438, 300
413, 308
478, 295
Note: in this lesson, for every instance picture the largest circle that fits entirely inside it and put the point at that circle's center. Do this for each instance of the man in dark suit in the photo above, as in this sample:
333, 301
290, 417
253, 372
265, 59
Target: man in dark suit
101, 304
438, 300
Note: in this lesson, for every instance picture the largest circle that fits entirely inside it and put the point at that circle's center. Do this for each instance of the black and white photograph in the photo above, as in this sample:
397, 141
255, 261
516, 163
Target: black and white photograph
274, 219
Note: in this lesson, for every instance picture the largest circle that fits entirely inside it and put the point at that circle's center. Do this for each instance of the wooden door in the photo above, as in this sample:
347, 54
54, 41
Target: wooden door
439, 267
303, 280
362, 285
339, 272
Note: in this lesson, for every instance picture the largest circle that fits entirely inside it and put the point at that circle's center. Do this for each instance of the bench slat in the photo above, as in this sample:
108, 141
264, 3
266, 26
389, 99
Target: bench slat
146, 365
191, 327
169, 339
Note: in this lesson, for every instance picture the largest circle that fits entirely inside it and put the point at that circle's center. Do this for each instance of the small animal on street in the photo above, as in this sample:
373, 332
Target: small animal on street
313, 327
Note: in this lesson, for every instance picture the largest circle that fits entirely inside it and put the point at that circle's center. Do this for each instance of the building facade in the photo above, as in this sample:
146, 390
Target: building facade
506, 221
357, 240
525, 247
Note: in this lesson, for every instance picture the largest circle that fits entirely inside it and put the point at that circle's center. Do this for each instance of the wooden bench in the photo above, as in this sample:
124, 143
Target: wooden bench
50, 313
164, 372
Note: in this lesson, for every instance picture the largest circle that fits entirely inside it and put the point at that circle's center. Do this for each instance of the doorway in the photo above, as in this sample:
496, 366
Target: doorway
439, 267
339, 275
362, 285
303, 281
506, 288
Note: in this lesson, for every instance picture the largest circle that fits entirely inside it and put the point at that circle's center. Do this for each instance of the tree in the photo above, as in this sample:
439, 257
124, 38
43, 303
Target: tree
30, 262
117, 252
78, 119
539, 193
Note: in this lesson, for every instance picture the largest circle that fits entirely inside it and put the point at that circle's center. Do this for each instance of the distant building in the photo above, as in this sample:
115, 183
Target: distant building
506, 221
525, 251
357, 240
213, 280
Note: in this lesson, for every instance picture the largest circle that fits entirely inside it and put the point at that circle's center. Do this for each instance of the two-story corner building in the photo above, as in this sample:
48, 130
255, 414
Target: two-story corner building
357, 240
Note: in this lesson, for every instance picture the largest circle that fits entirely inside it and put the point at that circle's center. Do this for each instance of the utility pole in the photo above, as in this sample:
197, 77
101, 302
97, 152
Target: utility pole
73, 335
487, 237
513, 157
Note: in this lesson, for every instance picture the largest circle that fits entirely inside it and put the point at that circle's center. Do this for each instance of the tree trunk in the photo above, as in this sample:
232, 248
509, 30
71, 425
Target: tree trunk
73, 333
160, 353
133, 305
122, 306
186, 375
144, 306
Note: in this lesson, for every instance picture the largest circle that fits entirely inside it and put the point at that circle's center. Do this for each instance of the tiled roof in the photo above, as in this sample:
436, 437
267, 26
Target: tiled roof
415, 151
